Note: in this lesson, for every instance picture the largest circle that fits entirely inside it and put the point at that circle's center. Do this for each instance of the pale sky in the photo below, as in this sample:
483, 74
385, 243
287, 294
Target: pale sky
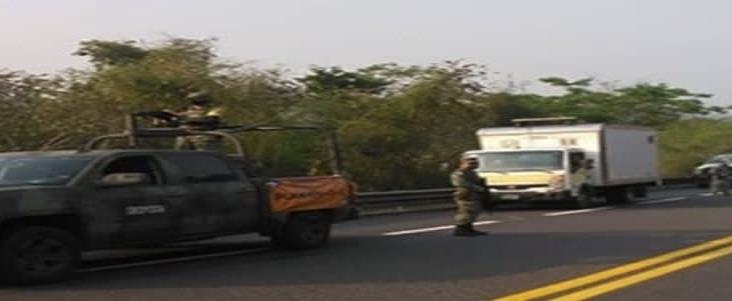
683, 43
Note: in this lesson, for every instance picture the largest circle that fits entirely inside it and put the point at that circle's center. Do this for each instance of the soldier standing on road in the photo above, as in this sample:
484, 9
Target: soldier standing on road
470, 190
720, 181
200, 115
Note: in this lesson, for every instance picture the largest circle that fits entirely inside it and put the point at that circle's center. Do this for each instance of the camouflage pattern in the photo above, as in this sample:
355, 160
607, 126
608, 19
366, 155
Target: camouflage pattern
470, 190
203, 119
199, 142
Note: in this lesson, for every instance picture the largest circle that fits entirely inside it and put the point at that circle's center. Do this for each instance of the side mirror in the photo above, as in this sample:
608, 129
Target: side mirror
124, 179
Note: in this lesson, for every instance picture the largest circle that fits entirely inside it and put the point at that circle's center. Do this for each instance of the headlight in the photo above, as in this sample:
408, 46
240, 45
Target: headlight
556, 182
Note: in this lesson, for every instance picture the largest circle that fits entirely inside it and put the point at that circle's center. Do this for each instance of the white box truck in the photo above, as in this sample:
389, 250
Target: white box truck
577, 162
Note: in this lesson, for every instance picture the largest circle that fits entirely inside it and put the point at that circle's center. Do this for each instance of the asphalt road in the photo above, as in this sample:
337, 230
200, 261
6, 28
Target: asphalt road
414, 257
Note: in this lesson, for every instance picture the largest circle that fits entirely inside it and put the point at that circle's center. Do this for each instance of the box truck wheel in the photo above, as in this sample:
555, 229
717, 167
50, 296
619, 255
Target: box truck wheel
621, 194
640, 191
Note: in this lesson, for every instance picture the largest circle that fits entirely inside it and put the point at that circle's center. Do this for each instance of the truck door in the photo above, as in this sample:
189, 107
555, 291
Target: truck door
144, 214
223, 199
579, 175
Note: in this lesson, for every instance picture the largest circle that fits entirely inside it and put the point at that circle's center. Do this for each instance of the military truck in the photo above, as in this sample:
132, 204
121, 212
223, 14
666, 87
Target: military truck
54, 205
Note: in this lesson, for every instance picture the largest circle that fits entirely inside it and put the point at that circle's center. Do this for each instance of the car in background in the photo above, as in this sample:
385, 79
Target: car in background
702, 172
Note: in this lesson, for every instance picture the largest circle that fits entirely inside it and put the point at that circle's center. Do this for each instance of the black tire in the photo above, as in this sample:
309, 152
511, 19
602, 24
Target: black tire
640, 191
38, 255
621, 195
306, 230
702, 184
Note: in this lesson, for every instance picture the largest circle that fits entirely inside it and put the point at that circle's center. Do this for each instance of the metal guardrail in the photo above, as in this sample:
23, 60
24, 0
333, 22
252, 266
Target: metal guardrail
390, 197
431, 196
678, 181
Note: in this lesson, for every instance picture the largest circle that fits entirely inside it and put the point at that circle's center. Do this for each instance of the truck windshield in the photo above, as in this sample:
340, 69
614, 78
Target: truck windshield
34, 170
521, 161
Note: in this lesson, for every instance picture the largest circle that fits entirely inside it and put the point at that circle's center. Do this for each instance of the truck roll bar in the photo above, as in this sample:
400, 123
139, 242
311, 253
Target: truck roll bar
161, 133
133, 132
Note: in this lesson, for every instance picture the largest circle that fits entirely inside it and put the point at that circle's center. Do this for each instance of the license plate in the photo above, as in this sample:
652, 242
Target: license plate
512, 197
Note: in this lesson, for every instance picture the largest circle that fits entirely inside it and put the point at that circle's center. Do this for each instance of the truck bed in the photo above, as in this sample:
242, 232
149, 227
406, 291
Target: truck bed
309, 193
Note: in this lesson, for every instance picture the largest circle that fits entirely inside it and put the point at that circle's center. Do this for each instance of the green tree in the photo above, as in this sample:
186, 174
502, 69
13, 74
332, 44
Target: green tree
334, 80
399, 125
22, 98
641, 104
109, 53
129, 77
686, 143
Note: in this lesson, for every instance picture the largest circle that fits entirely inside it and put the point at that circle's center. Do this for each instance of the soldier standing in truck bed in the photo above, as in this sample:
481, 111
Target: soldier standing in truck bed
200, 115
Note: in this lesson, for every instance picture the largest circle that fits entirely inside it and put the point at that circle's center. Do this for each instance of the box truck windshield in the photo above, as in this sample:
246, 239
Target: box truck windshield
520, 161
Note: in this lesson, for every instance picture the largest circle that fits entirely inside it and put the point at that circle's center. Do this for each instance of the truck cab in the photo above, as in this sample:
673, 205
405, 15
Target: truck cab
534, 173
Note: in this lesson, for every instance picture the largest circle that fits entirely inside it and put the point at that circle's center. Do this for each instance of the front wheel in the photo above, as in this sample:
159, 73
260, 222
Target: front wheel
38, 254
305, 230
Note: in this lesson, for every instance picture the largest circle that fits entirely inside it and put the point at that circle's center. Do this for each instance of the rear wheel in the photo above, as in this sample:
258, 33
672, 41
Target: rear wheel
38, 254
640, 191
621, 195
304, 230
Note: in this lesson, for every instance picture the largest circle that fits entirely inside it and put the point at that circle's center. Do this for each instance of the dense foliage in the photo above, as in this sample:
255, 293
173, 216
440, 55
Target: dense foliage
400, 126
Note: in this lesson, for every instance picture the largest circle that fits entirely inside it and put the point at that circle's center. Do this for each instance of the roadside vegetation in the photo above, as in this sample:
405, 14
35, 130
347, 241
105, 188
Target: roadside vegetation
400, 126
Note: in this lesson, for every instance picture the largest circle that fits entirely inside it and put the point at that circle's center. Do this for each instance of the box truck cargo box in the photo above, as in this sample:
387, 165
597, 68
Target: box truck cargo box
579, 162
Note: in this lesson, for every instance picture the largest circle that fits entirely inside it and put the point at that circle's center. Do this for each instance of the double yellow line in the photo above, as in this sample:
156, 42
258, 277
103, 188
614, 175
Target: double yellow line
589, 286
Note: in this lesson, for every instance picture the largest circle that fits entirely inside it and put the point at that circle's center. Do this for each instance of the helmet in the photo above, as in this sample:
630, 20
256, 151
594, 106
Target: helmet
199, 98
469, 157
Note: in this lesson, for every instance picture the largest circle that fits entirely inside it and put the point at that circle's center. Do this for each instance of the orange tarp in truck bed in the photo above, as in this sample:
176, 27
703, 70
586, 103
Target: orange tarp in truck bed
309, 193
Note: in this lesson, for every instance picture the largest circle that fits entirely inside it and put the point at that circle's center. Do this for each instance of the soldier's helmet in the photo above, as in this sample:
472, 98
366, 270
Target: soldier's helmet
199, 98
469, 157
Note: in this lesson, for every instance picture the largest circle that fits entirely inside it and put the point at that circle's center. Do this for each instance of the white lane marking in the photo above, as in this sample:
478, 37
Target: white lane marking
560, 213
706, 194
170, 260
661, 201
432, 229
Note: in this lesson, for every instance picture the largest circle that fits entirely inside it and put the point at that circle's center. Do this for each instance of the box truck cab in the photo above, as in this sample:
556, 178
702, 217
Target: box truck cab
534, 173
577, 162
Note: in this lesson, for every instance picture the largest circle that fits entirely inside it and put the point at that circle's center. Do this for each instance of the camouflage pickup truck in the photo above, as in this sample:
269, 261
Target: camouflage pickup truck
54, 205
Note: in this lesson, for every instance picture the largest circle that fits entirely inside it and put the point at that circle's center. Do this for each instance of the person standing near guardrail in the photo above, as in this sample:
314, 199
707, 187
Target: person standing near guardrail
470, 190
720, 180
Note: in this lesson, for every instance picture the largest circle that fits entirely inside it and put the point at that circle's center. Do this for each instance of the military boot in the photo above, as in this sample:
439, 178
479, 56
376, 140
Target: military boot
462, 230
